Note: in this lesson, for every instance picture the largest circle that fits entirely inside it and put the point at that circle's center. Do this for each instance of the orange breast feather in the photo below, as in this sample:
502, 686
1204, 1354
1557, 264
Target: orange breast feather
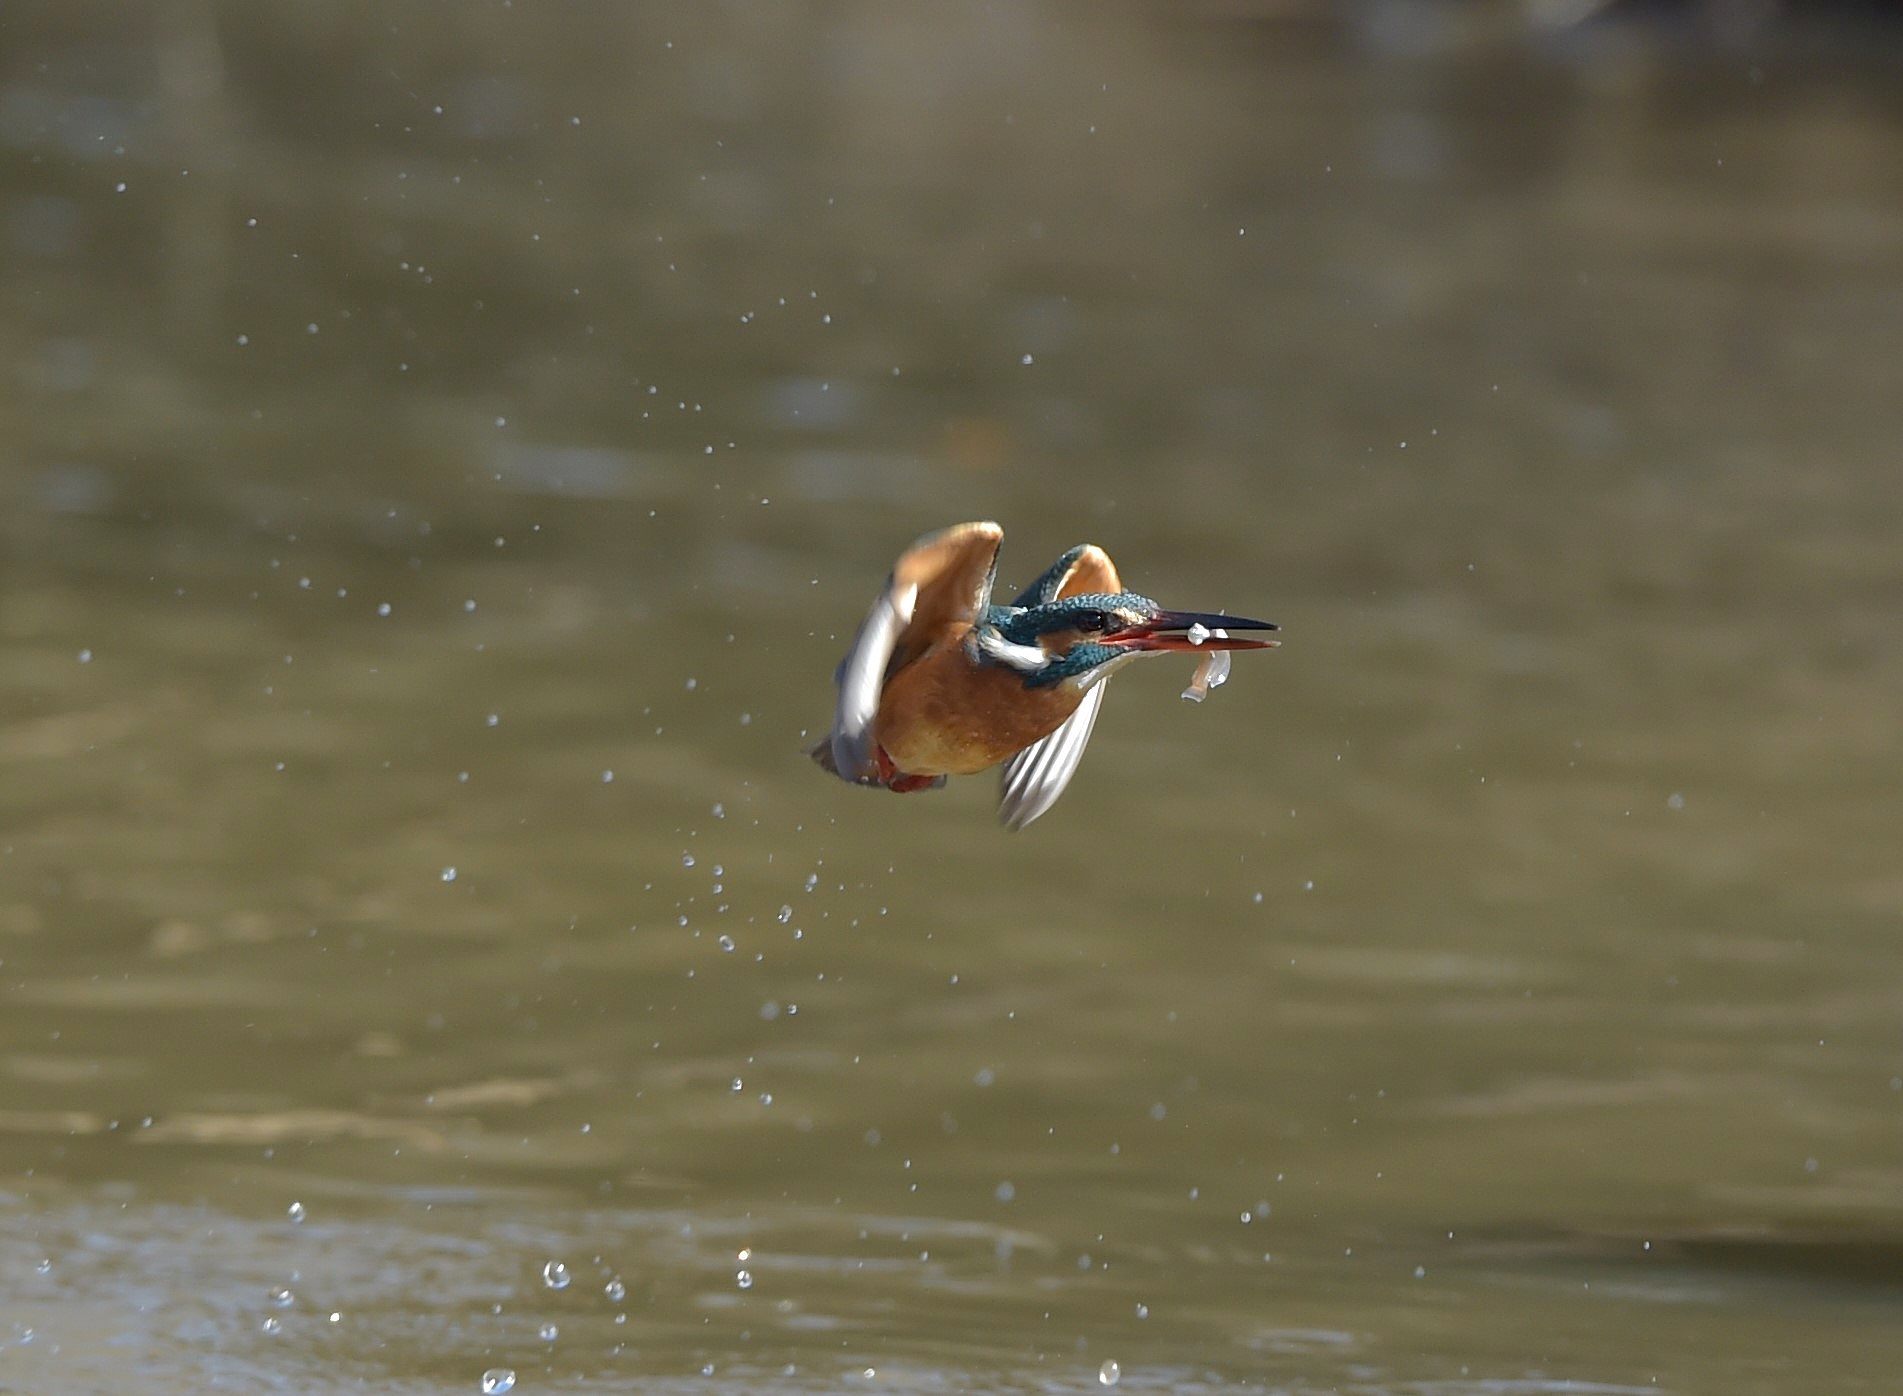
944, 715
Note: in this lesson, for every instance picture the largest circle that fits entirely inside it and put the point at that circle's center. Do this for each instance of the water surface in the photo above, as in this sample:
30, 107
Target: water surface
444, 452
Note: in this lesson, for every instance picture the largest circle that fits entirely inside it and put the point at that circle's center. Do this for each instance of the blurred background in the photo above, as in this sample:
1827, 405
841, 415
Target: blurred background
444, 448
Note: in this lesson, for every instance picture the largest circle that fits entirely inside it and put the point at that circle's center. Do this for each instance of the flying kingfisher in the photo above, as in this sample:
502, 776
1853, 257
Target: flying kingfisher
940, 682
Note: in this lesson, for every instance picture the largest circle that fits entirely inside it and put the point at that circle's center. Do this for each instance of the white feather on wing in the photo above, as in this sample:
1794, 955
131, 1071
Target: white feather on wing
1036, 776
862, 676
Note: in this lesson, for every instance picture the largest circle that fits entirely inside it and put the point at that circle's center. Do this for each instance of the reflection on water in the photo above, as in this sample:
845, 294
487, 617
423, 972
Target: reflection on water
443, 454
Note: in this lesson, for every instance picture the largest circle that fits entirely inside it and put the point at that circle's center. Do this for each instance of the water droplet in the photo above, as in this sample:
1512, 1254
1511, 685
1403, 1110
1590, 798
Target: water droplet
1109, 1374
497, 1380
744, 1279
45, 1267
383, 608
726, 943
272, 1325
295, 1211
1026, 360
786, 914
615, 1290
1676, 800
1005, 1191
812, 881
1143, 1310
281, 1298
449, 874
738, 1085
85, 656
555, 1275
549, 1332
687, 860
336, 1317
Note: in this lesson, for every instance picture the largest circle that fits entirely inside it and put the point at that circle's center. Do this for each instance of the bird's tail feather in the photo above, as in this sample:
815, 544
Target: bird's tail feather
822, 752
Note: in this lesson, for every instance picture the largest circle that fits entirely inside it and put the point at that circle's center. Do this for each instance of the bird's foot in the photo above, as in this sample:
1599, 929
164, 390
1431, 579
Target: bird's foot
901, 782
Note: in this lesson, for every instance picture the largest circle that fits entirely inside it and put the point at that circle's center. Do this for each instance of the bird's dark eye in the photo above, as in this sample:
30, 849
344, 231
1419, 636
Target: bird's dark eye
1093, 621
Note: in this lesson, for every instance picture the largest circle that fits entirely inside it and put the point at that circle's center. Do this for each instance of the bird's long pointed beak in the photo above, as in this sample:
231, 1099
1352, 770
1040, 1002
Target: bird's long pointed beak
1193, 630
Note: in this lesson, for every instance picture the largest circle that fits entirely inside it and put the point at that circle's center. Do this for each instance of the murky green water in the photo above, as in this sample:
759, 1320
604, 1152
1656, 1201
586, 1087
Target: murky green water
441, 451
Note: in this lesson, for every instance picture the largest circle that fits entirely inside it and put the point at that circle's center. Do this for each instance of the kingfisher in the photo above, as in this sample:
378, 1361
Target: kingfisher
941, 682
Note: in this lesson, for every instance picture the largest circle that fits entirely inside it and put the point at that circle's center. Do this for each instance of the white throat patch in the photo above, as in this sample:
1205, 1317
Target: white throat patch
1026, 659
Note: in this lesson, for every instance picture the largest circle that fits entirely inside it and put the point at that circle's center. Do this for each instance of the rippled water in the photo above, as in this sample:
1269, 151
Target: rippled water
443, 452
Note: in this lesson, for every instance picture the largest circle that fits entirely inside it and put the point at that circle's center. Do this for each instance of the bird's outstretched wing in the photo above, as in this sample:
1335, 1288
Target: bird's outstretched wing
940, 584
1084, 569
1036, 776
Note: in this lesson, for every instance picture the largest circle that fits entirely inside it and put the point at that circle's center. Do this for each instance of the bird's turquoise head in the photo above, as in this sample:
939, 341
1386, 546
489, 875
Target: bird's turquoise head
1080, 635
